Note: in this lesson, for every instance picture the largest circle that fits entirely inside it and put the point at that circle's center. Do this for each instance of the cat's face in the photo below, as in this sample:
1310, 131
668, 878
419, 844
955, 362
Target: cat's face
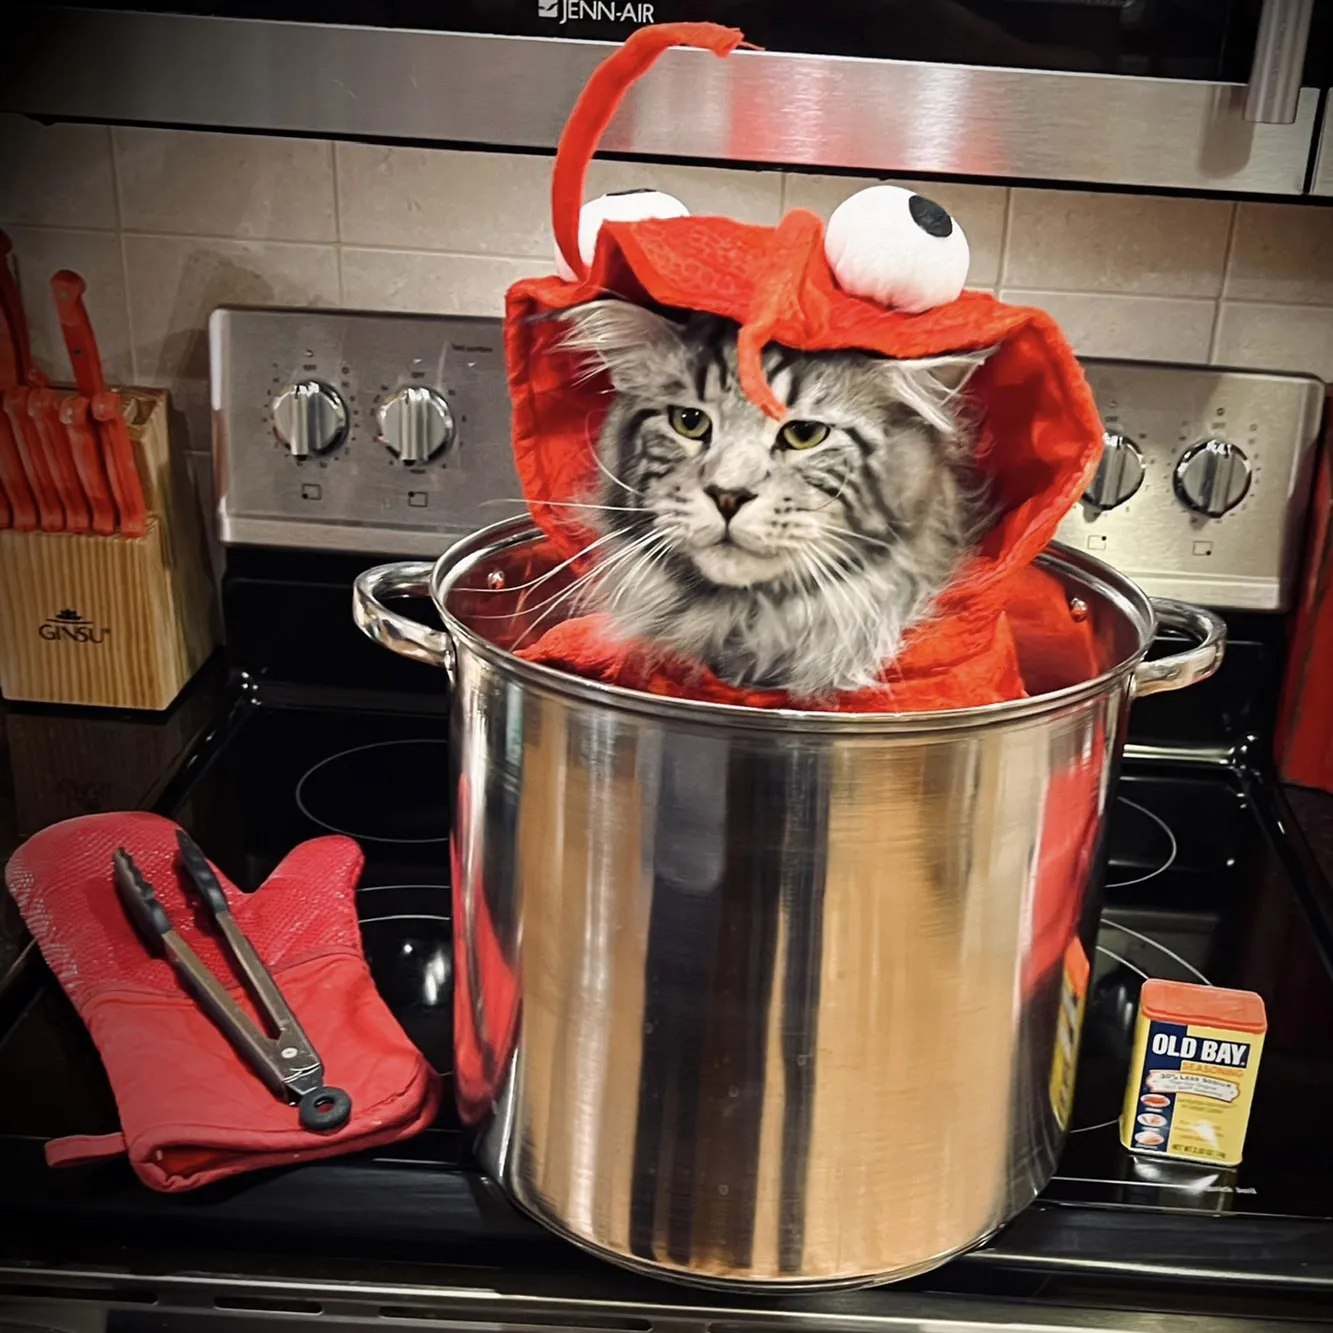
747, 500
788, 554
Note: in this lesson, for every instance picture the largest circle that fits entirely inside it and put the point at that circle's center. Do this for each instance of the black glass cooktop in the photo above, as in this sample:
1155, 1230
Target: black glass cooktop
1198, 888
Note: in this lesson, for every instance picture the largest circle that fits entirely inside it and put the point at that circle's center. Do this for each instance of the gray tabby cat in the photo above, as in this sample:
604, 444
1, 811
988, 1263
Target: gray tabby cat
789, 555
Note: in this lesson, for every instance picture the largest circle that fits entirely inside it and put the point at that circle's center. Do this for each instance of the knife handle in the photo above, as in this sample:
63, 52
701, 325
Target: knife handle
22, 507
44, 409
50, 515
68, 289
88, 463
118, 450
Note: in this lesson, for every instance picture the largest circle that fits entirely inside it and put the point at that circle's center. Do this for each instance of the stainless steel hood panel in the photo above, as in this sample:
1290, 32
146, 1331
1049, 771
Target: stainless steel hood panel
760, 107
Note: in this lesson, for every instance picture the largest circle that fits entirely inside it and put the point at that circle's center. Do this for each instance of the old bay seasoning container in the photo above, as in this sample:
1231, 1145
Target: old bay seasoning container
1191, 1079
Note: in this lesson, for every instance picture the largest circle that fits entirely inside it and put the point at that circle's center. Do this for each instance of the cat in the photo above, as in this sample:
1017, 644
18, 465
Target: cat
788, 555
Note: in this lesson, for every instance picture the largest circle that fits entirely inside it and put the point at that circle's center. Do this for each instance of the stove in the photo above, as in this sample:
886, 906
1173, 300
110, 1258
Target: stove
308, 729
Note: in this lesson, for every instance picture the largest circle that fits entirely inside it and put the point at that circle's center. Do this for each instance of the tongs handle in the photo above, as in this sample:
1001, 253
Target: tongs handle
201, 874
149, 916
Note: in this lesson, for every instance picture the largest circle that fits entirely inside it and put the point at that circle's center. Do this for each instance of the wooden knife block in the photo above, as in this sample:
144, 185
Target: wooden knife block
115, 622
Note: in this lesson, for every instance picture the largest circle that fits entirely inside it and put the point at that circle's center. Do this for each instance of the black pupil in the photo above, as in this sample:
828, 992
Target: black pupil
929, 216
689, 418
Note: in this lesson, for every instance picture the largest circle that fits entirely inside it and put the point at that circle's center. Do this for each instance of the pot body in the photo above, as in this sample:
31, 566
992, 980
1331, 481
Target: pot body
742, 1001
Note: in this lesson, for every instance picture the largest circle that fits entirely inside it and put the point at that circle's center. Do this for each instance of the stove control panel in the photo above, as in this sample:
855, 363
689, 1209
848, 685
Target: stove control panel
1204, 480
375, 433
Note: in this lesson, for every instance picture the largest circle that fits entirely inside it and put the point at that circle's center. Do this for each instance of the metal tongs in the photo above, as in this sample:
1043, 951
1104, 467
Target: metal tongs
286, 1061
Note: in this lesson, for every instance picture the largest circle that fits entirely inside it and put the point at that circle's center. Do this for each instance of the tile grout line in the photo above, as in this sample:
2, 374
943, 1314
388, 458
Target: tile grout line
1215, 337
312, 245
1002, 275
337, 219
124, 257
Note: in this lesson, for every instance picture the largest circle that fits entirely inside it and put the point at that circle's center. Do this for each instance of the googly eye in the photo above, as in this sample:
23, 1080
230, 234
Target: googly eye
899, 249
623, 206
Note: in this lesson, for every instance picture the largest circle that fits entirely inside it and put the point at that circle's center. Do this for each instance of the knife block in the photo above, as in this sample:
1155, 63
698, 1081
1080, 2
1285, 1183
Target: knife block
113, 622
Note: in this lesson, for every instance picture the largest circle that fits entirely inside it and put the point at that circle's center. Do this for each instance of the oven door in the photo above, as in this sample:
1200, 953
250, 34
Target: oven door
1216, 95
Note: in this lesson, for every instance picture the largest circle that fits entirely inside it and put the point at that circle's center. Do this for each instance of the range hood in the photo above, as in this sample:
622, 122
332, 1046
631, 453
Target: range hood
814, 112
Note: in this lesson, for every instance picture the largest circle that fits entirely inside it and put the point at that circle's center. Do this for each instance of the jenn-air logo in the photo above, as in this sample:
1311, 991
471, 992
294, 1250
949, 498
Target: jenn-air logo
595, 11
70, 625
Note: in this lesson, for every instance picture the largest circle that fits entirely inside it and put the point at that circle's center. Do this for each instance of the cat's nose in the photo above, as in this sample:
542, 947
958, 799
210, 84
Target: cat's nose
728, 502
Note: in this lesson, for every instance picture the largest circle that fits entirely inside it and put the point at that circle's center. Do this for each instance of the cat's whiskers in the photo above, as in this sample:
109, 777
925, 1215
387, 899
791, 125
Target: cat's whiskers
843, 620
628, 576
598, 572
860, 537
836, 496
553, 571
849, 594
564, 504
595, 450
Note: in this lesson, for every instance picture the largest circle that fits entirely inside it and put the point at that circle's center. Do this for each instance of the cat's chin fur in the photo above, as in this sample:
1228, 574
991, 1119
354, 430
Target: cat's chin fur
774, 634
836, 552
727, 565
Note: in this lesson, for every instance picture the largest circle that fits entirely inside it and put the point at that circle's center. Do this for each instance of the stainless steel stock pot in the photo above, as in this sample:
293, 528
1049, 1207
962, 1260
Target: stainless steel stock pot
768, 997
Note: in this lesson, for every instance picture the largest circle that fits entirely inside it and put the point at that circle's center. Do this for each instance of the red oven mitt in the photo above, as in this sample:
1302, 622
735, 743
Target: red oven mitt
191, 1110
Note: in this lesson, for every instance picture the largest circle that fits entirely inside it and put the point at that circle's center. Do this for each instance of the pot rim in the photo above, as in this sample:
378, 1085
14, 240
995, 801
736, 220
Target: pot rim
1107, 582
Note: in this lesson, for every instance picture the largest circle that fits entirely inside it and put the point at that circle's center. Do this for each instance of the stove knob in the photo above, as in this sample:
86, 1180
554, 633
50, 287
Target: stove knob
1212, 477
1118, 475
416, 423
309, 417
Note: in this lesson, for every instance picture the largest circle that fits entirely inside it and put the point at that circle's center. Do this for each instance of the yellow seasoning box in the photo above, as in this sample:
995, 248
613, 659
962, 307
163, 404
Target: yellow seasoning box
1191, 1080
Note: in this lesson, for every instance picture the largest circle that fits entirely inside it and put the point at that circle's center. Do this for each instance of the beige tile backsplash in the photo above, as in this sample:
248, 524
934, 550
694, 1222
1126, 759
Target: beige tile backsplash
1147, 245
96, 255
1146, 328
221, 185
56, 175
167, 224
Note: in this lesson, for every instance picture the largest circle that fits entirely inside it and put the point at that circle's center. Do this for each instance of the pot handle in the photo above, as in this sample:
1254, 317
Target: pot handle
1195, 664
406, 637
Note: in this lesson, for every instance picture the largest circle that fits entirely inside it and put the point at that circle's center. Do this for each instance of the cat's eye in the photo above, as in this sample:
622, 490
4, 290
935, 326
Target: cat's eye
691, 422
802, 434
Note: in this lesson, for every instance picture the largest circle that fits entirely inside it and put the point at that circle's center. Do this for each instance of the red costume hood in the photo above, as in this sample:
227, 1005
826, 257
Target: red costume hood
1039, 432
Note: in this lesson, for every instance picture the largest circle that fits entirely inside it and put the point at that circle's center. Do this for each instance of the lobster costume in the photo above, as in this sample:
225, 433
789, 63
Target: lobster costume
808, 288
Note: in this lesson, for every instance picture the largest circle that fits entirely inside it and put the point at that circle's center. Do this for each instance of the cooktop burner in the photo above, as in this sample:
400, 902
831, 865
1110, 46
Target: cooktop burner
387, 791
1142, 843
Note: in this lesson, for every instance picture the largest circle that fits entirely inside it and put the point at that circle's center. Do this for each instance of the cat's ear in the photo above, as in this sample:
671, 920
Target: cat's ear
626, 340
930, 385
948, 375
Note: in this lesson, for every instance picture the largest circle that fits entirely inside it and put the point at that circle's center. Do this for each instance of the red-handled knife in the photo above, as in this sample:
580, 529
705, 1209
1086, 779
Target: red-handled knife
88, 459
39, 497
13, 479
44, 409
117, 448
